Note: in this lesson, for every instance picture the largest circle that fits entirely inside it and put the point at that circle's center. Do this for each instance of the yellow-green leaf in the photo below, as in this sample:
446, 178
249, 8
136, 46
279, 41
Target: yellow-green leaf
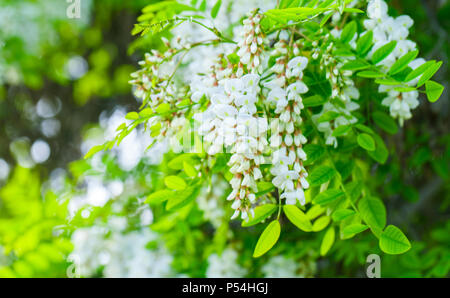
327, 241
159, 196
267, 239
366, 142
321, 223
393, 241
297, 217
328, 196
175, 182
189, 169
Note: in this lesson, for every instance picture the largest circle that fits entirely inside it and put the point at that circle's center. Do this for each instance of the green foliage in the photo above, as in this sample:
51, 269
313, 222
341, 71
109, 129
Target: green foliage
28, 223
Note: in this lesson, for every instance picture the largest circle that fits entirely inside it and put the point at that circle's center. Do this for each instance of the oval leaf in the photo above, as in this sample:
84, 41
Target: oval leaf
189, 169
321, 175
159, 196
328, 196
403, 62
267, 239
297, 217
366, 142
380, 54
175, 182
342, 214
327, 241
353, 229
373, 212
393, 241
385, 122
321, 223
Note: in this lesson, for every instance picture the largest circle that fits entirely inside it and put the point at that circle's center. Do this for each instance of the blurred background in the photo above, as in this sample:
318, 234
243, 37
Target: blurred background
64, 87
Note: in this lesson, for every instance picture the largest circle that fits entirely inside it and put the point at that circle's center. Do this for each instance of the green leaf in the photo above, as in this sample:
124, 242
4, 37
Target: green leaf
354, 190
345, 167
163, 108
321, 223
381, 153
364, 44
261, 213
215, 9
147, 112
325, 19
429, 73
370, 74
403, 62
353, 229
419, 70
327, 241
297, 217
354, 65
182, 198
132, 116
366, 141
393, 241
405, 89
328, 196
313, 153
388, 81
373, 212
321, 175
342, 214
94, 150
433, 90
380, 54
348, 32
159, 196
341, 130
385, 122
314, 101
328, 116
175, 182
234, 58
189, 169
202, 6
352, 10
121, 126
314, 211
267, 239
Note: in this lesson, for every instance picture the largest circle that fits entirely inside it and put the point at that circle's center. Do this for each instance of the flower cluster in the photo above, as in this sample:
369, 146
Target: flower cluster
252, 38
285, 91
230, 123
343, 90
385, 29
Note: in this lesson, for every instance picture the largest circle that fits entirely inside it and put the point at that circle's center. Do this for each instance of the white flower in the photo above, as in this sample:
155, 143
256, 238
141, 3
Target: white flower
284, 180
377, 9
292, 196
297, 65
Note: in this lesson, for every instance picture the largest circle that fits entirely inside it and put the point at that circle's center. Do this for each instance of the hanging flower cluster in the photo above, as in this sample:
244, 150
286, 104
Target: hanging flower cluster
386, 29
231, 122
285, 90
